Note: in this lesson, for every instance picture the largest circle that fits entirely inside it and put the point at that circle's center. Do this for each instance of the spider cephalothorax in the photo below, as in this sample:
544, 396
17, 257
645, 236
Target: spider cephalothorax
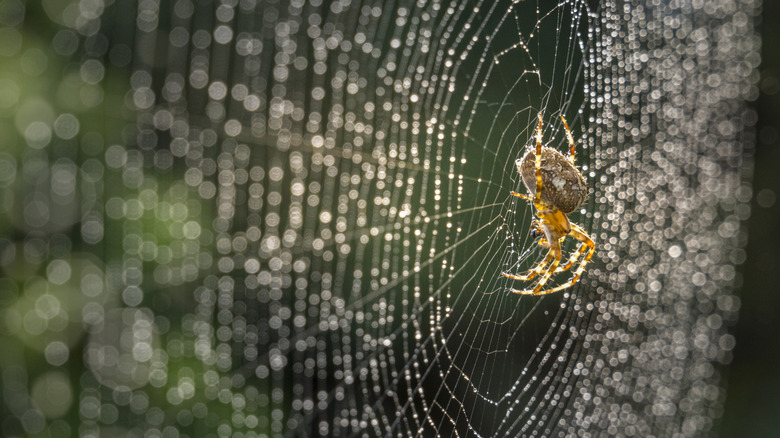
556, 189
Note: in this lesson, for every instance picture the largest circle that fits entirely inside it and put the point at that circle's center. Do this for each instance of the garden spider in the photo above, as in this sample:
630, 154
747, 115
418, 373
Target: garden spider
556, 189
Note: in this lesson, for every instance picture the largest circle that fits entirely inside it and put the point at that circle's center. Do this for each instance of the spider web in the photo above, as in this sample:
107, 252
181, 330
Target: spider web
304, 212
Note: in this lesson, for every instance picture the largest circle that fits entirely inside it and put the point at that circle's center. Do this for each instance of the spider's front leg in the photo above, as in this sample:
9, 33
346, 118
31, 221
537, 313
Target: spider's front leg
539, 227
570, 138
522, 196
574, 257
536, 226
537, 231
579, 234
536, 270
555, 252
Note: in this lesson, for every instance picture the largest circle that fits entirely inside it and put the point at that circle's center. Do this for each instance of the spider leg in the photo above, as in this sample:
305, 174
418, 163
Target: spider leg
538, 193
538, 231
522, 196
533, 272
555, 250
570, 138
579, 234
574, 257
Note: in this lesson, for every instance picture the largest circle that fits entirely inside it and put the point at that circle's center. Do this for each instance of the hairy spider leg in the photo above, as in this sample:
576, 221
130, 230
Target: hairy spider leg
522, 196
579, 234
580, 250
533, 272
555, 226
571, 140
572, 260
574, 257
538, 194
526, 198
555, 250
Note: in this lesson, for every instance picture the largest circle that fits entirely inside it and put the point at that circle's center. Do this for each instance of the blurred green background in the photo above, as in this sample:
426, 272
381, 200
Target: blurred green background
753, 380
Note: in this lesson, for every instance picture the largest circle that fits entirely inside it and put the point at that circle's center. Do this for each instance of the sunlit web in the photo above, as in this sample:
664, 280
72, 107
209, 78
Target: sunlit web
295, 220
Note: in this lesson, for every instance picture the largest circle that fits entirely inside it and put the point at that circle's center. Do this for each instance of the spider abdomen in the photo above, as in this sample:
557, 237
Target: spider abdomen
563, 186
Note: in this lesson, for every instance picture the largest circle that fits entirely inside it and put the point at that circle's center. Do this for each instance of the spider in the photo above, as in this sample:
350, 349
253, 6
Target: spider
556, 188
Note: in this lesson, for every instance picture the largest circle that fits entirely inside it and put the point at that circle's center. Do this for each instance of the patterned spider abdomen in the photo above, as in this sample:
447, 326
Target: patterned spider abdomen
563, 186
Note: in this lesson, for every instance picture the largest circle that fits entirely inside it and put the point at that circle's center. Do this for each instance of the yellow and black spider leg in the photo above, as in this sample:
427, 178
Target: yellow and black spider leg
571, 140
574, 257
538, 193
522, 196
555, 250
538, 269
579, 234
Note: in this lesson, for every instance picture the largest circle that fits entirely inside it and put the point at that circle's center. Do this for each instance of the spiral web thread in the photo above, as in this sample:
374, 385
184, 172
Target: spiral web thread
295, 220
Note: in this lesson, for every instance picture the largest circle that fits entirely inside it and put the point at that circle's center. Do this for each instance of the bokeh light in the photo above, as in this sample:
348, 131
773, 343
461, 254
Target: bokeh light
257, 218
